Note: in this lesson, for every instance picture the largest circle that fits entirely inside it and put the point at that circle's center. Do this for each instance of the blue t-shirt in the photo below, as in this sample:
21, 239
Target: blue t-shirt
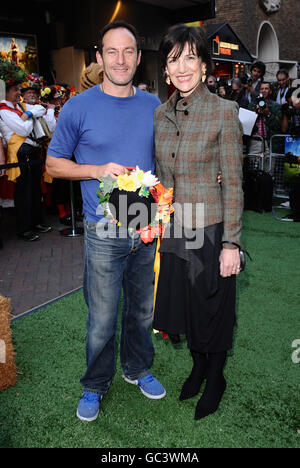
98, 128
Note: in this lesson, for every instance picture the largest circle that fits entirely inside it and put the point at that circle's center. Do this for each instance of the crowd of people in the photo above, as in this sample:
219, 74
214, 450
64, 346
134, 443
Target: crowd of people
195, 135
272, 101
278, 112
28, 117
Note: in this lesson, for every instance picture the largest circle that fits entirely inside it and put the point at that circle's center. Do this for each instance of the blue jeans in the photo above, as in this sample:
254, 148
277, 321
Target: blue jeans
113, 262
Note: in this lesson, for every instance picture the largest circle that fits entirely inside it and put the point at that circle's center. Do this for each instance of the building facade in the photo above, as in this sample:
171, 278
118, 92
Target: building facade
269, 29
239, 31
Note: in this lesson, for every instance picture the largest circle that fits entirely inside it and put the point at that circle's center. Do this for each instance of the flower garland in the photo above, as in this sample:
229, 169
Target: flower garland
145, 183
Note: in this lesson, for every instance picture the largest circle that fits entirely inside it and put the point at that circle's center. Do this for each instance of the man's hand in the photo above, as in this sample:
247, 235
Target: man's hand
110, 169
229, 262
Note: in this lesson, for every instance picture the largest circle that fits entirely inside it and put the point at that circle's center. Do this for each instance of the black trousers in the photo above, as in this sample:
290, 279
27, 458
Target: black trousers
27, 193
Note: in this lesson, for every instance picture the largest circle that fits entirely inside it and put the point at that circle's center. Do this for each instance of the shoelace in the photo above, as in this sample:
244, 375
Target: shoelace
91, 397
148, 379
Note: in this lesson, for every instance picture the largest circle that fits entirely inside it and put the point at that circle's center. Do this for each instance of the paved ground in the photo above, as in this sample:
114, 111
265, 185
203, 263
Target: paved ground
33, 273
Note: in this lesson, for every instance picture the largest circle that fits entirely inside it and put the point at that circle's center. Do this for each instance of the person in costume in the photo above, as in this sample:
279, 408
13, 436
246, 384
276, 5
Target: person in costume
2, 156
109, 127
2, 173
198, 134
31, 94
54, 97
16, 125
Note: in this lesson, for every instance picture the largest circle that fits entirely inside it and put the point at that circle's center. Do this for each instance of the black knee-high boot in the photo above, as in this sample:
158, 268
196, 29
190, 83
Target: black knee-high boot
215, 385
192, 385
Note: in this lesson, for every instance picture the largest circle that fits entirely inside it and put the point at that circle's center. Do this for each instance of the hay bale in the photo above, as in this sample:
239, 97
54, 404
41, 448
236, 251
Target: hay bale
8, 369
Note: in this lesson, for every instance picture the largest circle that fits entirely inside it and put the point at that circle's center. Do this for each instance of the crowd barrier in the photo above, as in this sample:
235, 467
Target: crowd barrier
277, 170
272, 159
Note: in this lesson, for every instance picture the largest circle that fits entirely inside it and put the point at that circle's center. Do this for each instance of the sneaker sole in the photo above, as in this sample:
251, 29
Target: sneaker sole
82, 418
148, 395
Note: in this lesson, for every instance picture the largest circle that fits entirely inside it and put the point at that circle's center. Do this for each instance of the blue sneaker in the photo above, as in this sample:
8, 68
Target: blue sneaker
88, 407
149, 386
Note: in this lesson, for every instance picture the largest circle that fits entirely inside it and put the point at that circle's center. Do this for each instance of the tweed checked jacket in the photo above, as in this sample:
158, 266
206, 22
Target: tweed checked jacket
191, 146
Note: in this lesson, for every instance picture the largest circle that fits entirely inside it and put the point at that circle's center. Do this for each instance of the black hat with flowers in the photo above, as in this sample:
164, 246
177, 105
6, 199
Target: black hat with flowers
34, 81
48, 93
11, 73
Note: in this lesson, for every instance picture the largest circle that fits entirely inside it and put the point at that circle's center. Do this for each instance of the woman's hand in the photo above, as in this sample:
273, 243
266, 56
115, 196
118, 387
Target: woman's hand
229, 262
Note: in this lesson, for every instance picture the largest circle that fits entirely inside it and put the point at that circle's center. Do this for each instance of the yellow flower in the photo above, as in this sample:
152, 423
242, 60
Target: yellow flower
140, 175
127, 183
25, 84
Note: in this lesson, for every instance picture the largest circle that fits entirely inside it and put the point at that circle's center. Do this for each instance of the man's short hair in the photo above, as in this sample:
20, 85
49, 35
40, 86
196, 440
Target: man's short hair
260, 65
266, 82
8, 87
211, 76
116, 25
282, 71
237, 81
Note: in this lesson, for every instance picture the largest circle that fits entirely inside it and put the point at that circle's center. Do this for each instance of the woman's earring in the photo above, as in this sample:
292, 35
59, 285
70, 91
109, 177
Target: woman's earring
167, 78
203, 77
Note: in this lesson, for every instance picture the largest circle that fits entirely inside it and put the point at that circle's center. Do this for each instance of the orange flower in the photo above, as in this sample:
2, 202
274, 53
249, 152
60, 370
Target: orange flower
166, 197
147, 234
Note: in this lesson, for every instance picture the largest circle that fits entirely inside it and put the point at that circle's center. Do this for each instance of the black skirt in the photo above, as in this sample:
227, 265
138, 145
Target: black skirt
192, 298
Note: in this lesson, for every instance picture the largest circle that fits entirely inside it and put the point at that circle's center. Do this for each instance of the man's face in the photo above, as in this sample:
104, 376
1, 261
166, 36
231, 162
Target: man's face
265, 90
31, 97
13, 95
282, 80
211, 81
256, 73
120, 57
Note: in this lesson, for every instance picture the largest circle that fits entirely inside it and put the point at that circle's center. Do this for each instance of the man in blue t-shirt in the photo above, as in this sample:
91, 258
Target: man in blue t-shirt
108, 128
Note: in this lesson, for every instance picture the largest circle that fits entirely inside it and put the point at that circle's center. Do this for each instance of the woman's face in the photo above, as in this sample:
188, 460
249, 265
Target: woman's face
186, 71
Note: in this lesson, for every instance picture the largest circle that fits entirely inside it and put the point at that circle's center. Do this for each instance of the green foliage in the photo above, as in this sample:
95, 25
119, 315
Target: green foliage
11, 73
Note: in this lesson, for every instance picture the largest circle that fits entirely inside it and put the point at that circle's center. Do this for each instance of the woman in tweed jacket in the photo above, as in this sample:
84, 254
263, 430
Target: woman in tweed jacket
198, 134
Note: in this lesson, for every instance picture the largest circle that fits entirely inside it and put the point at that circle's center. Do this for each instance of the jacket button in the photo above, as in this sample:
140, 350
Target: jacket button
184, 103
178, 133
173, 155
186, 112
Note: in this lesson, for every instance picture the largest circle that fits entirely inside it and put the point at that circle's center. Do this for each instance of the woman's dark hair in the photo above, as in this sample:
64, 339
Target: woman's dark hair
116, 25
260, 65
178, 36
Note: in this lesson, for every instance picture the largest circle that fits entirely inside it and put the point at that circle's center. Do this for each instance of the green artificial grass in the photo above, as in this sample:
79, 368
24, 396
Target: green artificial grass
260, 407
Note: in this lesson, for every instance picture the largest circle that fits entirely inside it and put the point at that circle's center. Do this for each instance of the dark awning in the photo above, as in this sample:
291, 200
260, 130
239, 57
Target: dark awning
226, 45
